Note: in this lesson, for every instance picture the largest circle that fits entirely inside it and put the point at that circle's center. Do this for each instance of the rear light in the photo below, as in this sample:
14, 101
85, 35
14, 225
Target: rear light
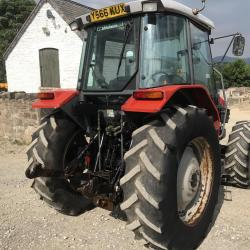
46, 95
148, 95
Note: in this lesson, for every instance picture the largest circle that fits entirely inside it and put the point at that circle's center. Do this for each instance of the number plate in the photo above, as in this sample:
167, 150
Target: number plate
107, 13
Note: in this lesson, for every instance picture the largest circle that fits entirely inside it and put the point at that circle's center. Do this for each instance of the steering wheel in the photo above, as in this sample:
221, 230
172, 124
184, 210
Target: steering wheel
171, 78
102, 83
161, 73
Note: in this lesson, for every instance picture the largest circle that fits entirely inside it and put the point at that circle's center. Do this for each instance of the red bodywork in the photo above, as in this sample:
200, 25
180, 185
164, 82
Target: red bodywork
199, 94
222, 101
61, 97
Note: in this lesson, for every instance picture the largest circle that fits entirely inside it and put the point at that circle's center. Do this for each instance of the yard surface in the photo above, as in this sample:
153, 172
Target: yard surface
28, 223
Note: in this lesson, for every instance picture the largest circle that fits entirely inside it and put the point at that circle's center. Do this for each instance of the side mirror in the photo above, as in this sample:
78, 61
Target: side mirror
239, 45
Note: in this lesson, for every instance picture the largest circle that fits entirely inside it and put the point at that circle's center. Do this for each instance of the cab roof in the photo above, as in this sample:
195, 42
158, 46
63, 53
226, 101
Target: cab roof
136, 7
177, 7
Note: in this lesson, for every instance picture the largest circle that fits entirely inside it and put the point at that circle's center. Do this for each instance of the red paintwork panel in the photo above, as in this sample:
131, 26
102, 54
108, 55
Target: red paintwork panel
199, 93
61, 98
222, 101
150, 106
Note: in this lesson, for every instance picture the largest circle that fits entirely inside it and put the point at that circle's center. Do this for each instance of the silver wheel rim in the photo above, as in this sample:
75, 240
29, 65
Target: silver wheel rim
194, 180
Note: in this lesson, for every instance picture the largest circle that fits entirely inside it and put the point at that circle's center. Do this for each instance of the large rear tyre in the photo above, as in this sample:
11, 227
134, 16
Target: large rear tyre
172, 180
237, 157
51, 148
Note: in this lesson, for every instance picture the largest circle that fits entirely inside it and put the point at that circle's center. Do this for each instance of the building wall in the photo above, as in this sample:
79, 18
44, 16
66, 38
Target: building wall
22, 65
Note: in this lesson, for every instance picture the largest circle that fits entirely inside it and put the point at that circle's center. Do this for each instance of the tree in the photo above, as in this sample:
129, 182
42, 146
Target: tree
236, 74
13, 14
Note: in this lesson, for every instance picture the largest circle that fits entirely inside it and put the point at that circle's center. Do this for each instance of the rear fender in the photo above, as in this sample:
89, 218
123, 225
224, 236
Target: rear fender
196, 95
66, 101
61, 97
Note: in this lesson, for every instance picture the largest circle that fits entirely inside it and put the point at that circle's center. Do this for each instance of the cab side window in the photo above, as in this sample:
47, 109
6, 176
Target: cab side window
202, 59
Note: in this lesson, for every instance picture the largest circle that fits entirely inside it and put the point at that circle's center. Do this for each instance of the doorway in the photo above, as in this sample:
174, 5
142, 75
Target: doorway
49, 68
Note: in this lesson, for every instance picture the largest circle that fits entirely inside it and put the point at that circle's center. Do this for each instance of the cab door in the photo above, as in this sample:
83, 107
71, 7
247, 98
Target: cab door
202, 59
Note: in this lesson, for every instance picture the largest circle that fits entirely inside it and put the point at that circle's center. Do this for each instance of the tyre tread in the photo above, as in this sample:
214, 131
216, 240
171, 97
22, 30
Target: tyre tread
54, 191
143, 205
237, 156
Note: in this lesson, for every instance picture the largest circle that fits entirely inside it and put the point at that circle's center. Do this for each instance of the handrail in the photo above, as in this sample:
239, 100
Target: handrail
225, 99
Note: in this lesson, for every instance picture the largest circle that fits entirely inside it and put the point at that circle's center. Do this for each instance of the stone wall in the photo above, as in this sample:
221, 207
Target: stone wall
238, 100
17, 119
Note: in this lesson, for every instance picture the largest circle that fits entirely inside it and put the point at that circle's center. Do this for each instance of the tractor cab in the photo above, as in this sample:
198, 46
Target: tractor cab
142, 44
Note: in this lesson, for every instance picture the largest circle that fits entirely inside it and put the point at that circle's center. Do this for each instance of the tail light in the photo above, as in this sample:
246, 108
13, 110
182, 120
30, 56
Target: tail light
46, 95
148, 95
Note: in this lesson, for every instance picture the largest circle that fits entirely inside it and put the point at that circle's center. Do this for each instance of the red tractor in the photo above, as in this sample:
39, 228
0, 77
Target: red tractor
141, 132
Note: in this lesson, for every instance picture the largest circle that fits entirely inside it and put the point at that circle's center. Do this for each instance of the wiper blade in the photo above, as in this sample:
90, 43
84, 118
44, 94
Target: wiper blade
127, 33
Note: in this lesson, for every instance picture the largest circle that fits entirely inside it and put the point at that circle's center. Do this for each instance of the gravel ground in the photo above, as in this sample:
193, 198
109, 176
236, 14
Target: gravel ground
27, 223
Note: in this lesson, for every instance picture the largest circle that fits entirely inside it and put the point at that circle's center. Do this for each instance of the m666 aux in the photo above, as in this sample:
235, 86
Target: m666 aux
141, 133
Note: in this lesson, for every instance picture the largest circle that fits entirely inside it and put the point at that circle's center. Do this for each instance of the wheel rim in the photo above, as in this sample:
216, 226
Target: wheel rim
194, 181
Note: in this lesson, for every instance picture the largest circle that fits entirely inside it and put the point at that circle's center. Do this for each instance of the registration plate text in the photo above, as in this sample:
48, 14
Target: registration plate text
107, 13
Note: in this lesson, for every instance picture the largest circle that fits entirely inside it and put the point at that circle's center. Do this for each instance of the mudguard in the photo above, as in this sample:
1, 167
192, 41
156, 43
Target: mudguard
198, 94
61, 97
66, 101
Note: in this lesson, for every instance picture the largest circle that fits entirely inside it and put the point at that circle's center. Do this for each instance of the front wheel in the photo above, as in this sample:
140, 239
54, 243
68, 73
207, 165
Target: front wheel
172, 180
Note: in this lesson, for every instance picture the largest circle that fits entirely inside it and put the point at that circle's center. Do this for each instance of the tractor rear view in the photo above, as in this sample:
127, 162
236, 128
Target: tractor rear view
141, 132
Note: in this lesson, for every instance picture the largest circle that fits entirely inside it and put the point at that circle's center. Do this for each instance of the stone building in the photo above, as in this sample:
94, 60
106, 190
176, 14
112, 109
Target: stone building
45, 52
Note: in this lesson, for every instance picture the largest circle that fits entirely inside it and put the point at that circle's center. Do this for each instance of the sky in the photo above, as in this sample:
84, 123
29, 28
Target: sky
229, 16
